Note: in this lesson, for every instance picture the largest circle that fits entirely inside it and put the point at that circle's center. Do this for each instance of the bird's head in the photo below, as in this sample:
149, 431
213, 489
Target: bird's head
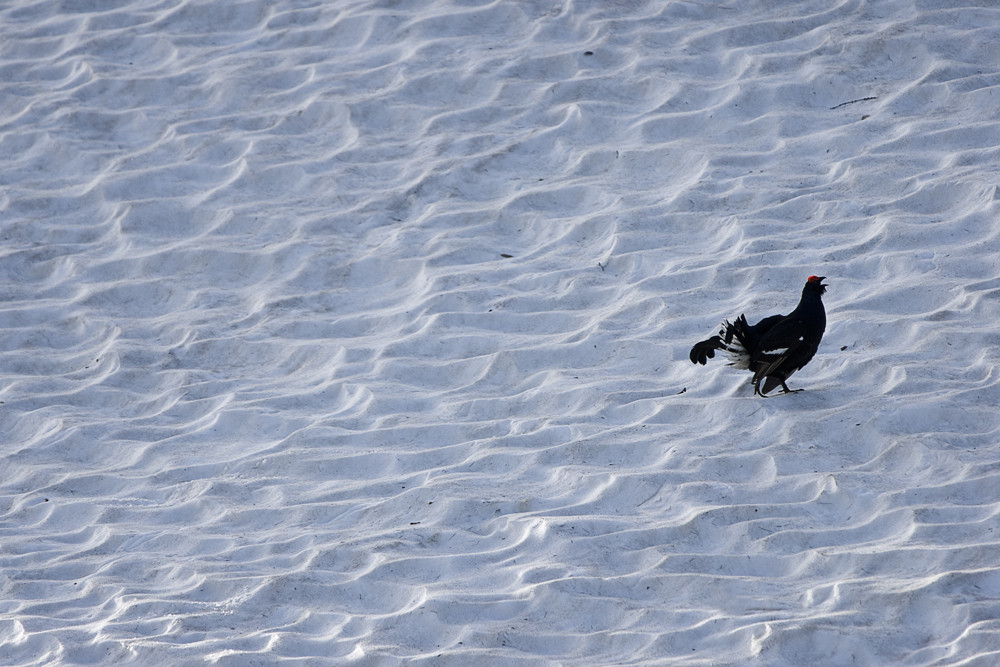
815, 283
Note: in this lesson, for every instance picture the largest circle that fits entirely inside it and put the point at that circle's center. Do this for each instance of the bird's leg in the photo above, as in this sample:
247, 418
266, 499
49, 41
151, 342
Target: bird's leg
786, 390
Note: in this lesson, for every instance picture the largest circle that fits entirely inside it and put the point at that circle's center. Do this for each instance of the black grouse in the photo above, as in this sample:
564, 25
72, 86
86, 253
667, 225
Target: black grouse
775, 347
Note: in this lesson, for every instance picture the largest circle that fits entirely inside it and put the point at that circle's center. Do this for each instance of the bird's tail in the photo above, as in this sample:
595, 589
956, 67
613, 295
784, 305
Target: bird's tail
733, 338
739, 330
705, 350
738, 341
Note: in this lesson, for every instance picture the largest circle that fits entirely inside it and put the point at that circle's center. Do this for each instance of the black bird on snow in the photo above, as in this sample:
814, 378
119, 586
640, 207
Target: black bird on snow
775, 347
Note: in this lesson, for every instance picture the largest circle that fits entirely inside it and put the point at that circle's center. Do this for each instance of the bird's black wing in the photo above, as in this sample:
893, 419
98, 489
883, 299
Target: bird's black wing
782, 350
761, 329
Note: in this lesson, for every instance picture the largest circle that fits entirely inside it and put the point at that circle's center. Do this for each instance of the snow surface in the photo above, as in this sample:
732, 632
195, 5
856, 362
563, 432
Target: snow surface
357, 332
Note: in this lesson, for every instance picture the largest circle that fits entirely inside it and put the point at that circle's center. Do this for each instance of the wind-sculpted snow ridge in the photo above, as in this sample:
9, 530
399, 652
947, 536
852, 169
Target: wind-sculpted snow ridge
357, 333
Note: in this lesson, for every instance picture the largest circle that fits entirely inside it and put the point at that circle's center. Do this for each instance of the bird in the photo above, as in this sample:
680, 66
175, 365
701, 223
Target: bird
775, 347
